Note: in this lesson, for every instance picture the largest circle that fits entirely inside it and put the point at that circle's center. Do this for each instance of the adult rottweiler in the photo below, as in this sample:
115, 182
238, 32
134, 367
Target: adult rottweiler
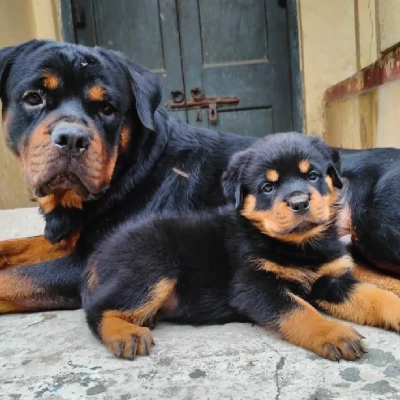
269, 260
96, 150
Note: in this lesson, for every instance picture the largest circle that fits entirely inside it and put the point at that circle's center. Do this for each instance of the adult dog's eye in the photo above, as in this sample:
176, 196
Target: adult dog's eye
313, 176
33, 99
267, 188
107, 109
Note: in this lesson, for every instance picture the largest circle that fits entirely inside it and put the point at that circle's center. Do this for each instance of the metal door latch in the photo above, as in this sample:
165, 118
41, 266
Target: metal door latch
199, 100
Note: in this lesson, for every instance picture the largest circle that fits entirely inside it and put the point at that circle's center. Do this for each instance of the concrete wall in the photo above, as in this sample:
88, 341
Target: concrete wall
338, 38
362, 110
21, 20
370, 119
389, 23
328, 49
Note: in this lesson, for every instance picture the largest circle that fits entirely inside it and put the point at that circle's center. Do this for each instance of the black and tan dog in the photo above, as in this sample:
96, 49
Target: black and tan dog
96, 150
269, 261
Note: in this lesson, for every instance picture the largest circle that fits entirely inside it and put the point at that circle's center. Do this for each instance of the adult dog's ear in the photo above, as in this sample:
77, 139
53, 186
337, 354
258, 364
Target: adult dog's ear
147, 89
232, 178
333, 155
7, 56
334, 168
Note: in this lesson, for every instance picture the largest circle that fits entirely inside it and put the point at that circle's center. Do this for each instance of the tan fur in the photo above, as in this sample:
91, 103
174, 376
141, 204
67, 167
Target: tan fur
34, 153
368, 305
100, 159
377, 278
124, 138
123, 338
121, 326
300, 275
307, 328
159, 294
304, 276
97, 93
67, 199
272, 175
51, 81
280, 218
19, 252
304, 166
11, 289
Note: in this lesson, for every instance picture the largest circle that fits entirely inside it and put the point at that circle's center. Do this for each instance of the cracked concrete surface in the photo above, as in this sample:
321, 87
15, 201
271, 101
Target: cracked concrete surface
52, 355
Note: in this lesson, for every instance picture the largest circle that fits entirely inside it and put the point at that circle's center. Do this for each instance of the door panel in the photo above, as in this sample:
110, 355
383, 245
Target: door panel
133, 27
256, 122
238, 48
219, 44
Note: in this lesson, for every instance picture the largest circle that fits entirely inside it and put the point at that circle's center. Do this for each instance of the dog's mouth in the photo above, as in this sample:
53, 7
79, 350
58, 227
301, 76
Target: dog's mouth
302, 227
62, 182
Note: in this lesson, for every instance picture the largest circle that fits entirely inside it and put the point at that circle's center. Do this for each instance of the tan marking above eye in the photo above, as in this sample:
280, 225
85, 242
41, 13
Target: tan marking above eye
304, 166
51, 81
272, 175
97, 93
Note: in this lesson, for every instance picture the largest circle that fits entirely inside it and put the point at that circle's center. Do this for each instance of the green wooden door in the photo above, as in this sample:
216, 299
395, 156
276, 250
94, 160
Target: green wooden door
225, 47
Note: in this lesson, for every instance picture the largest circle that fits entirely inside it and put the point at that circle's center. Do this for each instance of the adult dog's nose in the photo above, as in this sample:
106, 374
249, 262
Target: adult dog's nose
71, 140
299, 204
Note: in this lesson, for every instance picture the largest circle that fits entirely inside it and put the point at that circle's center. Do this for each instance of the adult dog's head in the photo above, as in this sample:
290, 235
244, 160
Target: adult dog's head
285, 184
70, 113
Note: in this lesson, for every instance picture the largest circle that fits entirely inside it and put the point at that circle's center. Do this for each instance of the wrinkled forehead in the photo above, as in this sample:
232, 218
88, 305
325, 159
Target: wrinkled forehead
65, 66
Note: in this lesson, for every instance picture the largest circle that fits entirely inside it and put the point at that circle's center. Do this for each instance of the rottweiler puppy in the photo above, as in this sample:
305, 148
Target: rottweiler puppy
273, 259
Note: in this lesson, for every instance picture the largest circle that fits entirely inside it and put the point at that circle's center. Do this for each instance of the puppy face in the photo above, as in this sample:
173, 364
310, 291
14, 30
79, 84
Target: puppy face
70, 113
286, 186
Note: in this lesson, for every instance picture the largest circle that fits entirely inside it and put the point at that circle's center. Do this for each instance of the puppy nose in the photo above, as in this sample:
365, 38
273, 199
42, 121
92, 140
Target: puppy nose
70, 140
299, 204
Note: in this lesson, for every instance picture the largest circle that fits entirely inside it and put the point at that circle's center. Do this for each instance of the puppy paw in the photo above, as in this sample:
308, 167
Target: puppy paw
129, 341
339, 341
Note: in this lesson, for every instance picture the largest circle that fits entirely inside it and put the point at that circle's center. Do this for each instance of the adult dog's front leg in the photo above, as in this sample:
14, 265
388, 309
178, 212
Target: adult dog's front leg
347, 298
45, 286
27, 251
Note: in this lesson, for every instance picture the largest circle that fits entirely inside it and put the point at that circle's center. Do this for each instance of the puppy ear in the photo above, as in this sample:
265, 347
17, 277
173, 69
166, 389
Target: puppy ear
7, 56
232, 178
333, 155
146, 87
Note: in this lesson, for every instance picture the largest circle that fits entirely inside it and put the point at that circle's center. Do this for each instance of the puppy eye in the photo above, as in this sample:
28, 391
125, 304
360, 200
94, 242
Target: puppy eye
267, 188
107, 109
33, 99
313, 176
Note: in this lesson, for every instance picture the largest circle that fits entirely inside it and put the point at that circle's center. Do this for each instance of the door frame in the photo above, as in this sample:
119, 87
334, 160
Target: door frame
68, 34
